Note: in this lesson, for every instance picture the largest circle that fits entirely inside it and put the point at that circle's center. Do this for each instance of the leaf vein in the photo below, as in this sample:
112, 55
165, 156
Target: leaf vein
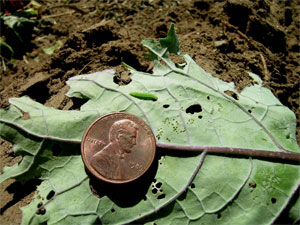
180, 113
125, 95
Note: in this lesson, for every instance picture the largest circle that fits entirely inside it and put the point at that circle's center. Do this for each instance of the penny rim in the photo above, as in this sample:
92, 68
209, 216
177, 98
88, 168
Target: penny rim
103, 141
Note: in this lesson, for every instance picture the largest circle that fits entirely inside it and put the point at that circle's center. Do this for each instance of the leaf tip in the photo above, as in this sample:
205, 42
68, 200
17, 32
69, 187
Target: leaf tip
171, 42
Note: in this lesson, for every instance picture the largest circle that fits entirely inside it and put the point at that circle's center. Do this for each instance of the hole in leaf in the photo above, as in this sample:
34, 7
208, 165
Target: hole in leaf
193, 185
40, 205
11, 154
194, 109
200, 117
180, 66
56, 150
166, 106
219, 216
122, 78
208, 98
116, 80
77, 103
273, 200
41, 211
252, 184
50, 195
178, 60
288, 136
145, 198
38, 92
162, 196
154, 191
112, 210
158, 185
154, 180
232, 94
26, 115
249, 111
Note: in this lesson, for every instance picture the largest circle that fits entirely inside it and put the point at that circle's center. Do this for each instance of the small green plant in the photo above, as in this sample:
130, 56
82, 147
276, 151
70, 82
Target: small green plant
16, 27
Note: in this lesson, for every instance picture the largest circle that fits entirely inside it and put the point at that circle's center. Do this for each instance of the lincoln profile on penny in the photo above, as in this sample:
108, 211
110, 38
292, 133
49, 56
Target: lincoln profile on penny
111, 162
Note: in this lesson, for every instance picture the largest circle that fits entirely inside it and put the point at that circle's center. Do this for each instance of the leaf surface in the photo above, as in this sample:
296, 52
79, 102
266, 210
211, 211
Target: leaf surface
191, 108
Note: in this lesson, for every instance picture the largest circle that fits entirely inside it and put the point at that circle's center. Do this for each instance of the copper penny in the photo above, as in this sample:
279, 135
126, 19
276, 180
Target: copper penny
118, 148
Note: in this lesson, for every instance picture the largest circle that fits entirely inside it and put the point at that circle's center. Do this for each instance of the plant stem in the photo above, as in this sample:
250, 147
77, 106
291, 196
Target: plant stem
235, 151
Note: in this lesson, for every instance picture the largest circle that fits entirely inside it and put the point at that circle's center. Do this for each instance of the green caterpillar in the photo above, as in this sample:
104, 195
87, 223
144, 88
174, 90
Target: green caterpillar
144, 96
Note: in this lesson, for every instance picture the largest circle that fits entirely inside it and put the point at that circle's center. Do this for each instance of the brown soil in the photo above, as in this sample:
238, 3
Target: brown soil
226, 38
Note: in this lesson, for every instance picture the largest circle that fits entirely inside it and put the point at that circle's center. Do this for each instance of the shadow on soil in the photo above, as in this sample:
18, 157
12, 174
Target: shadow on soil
19, 191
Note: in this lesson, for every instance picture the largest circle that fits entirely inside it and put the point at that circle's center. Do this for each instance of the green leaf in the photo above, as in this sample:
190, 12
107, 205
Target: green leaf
17, 24
164, 46
171, 42
14, 21
35, 145
34, 4
193, 108
51, 50
27, 13
5, 45
258, 202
